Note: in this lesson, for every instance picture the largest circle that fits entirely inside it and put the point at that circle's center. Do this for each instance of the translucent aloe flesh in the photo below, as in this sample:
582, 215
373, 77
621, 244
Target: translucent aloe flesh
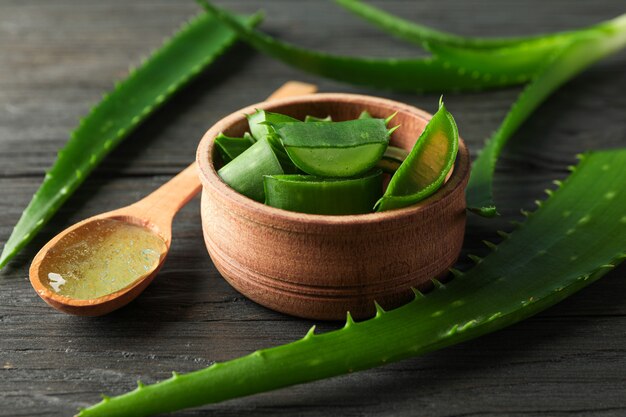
338, 149
451, 68
522, 276
566, 63
179, 60
315, 195
425, 168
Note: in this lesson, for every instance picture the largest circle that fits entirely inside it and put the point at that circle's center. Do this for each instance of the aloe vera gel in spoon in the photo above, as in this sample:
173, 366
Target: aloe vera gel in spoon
100, 258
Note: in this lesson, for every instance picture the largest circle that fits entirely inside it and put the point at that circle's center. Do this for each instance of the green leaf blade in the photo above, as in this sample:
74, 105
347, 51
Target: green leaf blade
565, 64
120, 111
423, 35
425, 168
440, 73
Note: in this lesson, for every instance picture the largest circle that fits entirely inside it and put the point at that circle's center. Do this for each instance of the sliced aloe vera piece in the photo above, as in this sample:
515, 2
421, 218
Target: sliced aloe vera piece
365, 115
315, 195
425, 168
245, 173
230, 148
339, 149
260, 121
260, 127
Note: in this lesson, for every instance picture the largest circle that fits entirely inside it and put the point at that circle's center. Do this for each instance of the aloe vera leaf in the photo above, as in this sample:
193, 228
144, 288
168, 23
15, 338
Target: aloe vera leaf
245, 173
448, 70
425, 36
365, 115
425, 168
339, 149
181, 58
315, 195
572, 59
260, 128
260, 120
230, 148
527, 273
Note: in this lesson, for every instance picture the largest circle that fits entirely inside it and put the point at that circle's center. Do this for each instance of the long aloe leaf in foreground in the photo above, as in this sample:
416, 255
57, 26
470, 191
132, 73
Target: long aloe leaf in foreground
569, 61
178, 61
524, 275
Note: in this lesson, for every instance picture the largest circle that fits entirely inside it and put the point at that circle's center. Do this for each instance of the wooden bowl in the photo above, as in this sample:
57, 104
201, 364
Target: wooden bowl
320, 266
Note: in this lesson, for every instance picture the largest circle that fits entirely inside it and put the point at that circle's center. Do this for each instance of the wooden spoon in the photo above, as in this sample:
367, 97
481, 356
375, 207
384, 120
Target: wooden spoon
155, 213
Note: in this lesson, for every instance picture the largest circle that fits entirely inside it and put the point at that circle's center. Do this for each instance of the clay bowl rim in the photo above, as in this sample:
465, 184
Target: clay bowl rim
209, 176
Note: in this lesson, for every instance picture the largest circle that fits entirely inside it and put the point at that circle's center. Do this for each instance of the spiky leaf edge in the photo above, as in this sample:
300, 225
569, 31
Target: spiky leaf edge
449, 69
518, 284
563, 65
102, 129
426, 36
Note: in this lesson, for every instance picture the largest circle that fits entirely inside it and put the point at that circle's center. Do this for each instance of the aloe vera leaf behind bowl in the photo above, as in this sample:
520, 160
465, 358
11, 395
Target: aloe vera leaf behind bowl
425, 36
572, 59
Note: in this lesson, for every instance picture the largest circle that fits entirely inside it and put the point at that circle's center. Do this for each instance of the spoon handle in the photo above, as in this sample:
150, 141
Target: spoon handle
161, 205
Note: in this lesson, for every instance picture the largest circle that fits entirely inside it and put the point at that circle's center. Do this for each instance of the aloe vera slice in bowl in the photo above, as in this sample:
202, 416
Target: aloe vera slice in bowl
425, 168
245, 173
260, 128
337, 149
230, 147
315, 195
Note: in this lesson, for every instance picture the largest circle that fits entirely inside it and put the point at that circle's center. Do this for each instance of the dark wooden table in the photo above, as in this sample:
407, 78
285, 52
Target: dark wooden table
57, 58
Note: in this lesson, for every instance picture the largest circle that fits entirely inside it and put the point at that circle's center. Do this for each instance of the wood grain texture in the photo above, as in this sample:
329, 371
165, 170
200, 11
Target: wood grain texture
57, 58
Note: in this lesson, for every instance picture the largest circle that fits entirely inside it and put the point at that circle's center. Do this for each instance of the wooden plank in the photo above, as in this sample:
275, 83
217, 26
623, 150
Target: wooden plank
56, 58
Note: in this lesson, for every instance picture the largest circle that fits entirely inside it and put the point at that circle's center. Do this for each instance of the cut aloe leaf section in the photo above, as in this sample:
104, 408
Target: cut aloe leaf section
315, 195
245, 173
340, 149
425, 168
230, 148
260, 128
260, 120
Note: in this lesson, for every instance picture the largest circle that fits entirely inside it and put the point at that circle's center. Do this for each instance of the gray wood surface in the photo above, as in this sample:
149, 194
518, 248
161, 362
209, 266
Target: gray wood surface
58, 57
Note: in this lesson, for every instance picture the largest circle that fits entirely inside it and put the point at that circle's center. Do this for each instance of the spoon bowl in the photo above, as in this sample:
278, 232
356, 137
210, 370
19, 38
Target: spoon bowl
153, 214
